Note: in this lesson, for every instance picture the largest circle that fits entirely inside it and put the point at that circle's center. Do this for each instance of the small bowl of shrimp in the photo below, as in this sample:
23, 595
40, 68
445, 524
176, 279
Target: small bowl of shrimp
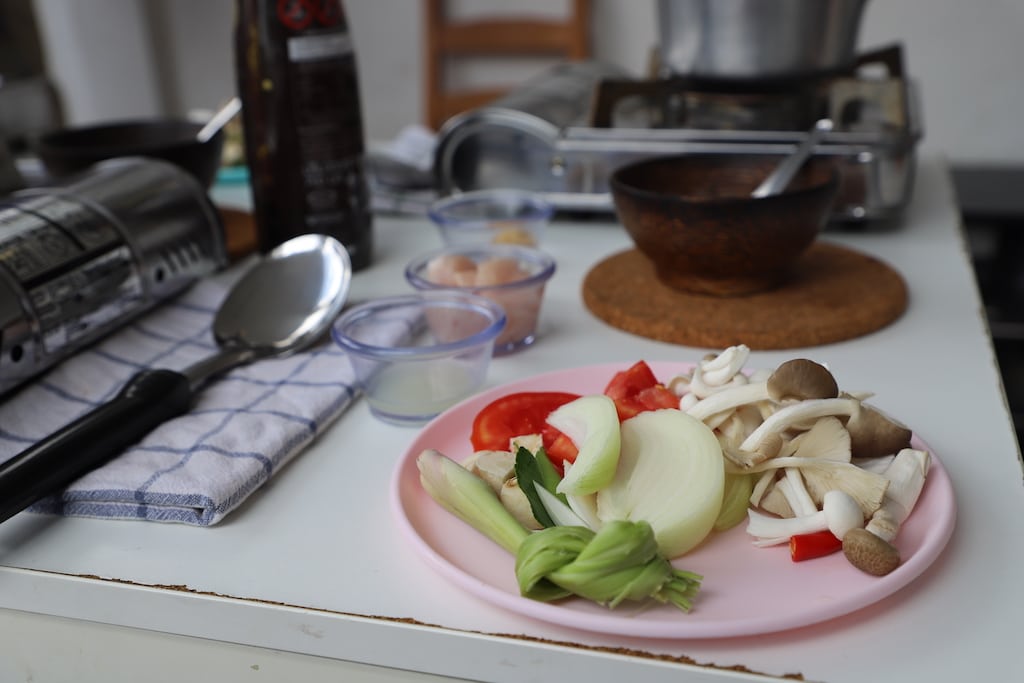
492, 216
514, 277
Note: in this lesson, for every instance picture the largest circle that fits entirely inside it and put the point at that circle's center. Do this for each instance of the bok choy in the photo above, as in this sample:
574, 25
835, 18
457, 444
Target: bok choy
619, 562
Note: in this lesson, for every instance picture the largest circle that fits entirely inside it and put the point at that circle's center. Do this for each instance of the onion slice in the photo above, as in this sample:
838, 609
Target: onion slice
671, 474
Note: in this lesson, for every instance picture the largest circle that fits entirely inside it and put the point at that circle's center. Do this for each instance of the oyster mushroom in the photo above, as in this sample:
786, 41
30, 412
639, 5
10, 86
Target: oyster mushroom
768, 448
827, 439
801, 379
874, 434
738, 426
906, 475
821, 476
799, 413
775, 501
823, 456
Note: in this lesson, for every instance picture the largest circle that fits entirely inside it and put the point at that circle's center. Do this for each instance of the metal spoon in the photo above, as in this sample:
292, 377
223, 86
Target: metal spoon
282, 304
219, 120
779, 179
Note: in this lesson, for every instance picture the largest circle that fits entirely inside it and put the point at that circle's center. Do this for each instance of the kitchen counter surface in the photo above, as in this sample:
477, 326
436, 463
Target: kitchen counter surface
310, 580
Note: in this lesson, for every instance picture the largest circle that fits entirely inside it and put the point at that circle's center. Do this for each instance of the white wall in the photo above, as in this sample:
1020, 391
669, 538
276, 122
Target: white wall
98, 53
966, 55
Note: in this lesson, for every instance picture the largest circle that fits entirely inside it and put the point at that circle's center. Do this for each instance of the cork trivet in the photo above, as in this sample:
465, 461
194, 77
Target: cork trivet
835, 294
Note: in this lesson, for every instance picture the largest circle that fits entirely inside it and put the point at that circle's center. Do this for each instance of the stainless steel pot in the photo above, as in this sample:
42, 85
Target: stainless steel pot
757, 39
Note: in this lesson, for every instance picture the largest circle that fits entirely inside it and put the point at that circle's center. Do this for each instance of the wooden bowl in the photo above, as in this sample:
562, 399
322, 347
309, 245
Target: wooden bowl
693, 217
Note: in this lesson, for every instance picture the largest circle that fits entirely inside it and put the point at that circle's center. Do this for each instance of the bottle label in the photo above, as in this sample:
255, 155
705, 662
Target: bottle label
323, 46
308, 174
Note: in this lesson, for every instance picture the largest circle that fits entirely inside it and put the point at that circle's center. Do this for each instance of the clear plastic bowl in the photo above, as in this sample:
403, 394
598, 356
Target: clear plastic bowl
418, 354
492, 217
521, 299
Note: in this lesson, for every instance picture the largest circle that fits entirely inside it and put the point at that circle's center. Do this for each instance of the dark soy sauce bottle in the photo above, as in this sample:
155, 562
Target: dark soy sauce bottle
302, 118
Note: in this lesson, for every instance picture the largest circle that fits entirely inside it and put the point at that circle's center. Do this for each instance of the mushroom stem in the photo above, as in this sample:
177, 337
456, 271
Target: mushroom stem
796, 413
728, 400
766, 479
723, 367
906, 475
839, 514
821, 476
796, 493
842, 512
774, 530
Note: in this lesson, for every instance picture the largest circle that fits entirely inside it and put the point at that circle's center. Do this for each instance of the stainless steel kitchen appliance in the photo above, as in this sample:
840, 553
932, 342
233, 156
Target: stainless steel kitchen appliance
80, 259
563, 133
755, 39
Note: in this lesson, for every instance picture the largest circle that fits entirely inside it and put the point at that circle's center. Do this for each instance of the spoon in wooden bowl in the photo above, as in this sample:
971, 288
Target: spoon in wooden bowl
779, 179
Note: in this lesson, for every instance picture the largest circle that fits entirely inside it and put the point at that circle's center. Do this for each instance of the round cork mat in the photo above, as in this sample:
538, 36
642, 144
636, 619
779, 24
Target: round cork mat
835, 294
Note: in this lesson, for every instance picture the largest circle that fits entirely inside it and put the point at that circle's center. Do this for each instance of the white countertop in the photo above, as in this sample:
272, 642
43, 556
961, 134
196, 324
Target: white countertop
312, 564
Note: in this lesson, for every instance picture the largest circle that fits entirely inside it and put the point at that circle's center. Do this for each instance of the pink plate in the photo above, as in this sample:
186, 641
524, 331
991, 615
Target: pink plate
735, 598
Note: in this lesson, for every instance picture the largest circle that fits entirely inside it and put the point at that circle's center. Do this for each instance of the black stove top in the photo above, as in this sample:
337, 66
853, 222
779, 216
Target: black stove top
786, 104
991, 202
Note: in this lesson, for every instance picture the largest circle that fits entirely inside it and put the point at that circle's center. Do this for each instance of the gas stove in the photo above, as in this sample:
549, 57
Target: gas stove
563, 133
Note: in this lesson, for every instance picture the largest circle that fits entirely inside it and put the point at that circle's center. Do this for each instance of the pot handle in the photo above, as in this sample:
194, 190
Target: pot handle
890, 56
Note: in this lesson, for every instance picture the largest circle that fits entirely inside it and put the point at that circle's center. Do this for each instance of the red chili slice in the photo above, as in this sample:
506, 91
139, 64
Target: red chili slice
809, 546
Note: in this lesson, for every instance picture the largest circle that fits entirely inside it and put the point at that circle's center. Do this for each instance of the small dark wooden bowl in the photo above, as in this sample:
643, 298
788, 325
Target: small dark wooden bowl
71, 150
694, 218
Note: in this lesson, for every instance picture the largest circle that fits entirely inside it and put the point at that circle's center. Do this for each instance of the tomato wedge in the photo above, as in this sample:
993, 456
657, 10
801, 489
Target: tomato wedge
561, 449
636, 389
523, 413
630, 381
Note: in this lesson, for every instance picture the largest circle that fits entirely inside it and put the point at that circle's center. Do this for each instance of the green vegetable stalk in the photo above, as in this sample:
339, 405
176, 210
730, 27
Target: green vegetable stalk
469, 498
619, 562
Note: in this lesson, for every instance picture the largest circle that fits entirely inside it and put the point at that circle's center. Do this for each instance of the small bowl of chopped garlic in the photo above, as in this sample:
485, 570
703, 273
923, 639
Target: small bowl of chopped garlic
514, 277
497, 216
416, 355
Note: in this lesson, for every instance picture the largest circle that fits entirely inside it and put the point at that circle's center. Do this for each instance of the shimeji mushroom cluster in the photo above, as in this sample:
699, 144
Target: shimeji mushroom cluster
822, 458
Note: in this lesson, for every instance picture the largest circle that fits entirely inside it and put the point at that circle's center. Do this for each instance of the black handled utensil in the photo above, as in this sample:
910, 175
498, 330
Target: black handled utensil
279, 306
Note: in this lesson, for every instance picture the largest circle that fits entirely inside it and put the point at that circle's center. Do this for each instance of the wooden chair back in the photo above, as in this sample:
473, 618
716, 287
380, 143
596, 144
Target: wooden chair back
449, 39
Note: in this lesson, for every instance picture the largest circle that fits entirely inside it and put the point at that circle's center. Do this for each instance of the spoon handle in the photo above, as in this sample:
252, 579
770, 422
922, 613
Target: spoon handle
779, 179
146, 400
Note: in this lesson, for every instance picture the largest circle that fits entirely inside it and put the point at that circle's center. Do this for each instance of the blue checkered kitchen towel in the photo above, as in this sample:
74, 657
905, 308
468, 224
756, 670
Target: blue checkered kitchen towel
197, 468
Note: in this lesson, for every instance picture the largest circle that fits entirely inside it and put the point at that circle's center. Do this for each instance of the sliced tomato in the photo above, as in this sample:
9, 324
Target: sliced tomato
627, 407
657, 397
561, 450
518, 414
629, 382
636, 389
